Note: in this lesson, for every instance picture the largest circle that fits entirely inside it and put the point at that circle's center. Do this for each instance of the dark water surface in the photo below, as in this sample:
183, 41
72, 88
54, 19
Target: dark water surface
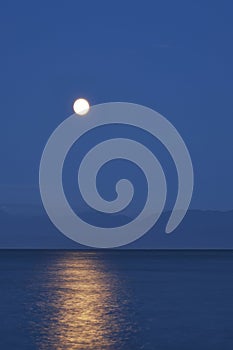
116, 300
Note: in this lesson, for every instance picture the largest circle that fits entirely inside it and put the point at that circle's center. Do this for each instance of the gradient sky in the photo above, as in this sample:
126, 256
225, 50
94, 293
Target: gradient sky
173, 56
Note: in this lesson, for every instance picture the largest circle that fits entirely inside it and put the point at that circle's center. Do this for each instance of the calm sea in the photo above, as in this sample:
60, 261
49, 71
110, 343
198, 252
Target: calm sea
156, 300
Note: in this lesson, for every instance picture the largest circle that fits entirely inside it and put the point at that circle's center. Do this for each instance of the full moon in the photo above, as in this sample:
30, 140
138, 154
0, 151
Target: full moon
81, 106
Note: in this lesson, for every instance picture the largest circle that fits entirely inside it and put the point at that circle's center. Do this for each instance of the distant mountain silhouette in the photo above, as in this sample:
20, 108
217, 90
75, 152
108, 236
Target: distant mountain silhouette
29, 227
198, 230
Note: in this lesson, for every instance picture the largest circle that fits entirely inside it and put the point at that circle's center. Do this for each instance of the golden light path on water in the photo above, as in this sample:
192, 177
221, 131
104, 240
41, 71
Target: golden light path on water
84, 309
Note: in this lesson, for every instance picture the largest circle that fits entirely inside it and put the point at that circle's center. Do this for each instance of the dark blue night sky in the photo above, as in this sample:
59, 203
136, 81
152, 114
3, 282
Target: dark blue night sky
173, 56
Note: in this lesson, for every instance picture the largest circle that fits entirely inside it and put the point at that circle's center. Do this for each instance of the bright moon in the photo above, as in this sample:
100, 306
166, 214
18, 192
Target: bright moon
81, 106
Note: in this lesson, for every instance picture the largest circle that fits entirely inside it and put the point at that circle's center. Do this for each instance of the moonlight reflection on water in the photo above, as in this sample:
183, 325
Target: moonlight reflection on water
83, 306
